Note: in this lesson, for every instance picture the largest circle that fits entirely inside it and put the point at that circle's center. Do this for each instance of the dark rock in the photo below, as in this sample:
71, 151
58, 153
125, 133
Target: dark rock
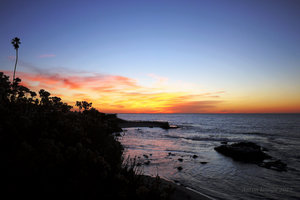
195, 156
203, 163
277, 165
224, 142
179, 168
150, 124
252, 153
243, 151
147, 162
171, 154
180, 159
146, 156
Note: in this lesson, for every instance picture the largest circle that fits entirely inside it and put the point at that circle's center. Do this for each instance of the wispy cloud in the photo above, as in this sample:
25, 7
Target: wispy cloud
120, 94
11, 58
158, 79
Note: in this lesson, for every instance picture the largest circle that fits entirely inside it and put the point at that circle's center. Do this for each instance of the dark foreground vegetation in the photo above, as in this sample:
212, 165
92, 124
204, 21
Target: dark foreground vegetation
49, 151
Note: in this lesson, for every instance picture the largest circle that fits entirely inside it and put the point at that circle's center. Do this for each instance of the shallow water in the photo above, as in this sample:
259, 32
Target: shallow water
210, 172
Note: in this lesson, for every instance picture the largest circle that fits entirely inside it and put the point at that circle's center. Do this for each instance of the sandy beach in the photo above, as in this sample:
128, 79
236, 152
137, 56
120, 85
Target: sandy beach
179, 192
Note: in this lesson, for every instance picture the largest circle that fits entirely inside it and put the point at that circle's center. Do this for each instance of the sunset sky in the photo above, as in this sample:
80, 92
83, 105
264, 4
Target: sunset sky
158, 56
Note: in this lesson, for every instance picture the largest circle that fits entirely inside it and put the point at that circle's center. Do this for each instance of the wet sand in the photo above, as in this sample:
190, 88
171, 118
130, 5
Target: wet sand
179, 192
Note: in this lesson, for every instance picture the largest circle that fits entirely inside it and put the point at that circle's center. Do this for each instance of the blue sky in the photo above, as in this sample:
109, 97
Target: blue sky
237, 46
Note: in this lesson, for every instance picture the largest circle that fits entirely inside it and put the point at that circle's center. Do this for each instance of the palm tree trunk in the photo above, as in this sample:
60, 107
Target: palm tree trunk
15, 65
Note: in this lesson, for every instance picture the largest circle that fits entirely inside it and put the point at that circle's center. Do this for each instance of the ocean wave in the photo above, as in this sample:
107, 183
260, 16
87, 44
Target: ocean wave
204, 130
196, 138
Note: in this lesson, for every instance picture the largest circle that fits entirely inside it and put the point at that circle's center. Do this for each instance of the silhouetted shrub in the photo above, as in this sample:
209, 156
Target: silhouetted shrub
49, 151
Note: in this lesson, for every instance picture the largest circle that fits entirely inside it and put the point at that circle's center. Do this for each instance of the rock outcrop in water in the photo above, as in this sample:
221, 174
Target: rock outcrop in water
277, 165
150, 124
251, 153
243, 151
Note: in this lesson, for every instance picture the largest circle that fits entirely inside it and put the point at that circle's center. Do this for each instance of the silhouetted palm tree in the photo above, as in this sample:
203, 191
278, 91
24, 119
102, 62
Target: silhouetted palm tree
15, 42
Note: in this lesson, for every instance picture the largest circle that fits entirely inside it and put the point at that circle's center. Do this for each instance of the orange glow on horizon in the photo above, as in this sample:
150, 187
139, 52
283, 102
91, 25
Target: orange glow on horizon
119, 94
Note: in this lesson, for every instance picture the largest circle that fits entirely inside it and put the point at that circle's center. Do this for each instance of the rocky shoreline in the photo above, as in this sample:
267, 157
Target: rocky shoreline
149, 124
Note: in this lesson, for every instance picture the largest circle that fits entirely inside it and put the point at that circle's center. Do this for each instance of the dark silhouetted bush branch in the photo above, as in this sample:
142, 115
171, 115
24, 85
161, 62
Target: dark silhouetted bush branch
49, 151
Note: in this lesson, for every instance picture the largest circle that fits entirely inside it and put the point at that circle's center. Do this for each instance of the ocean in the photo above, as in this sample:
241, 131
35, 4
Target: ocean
191, 147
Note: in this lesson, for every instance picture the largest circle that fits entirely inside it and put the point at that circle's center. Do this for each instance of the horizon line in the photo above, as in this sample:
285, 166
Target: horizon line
210, 113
